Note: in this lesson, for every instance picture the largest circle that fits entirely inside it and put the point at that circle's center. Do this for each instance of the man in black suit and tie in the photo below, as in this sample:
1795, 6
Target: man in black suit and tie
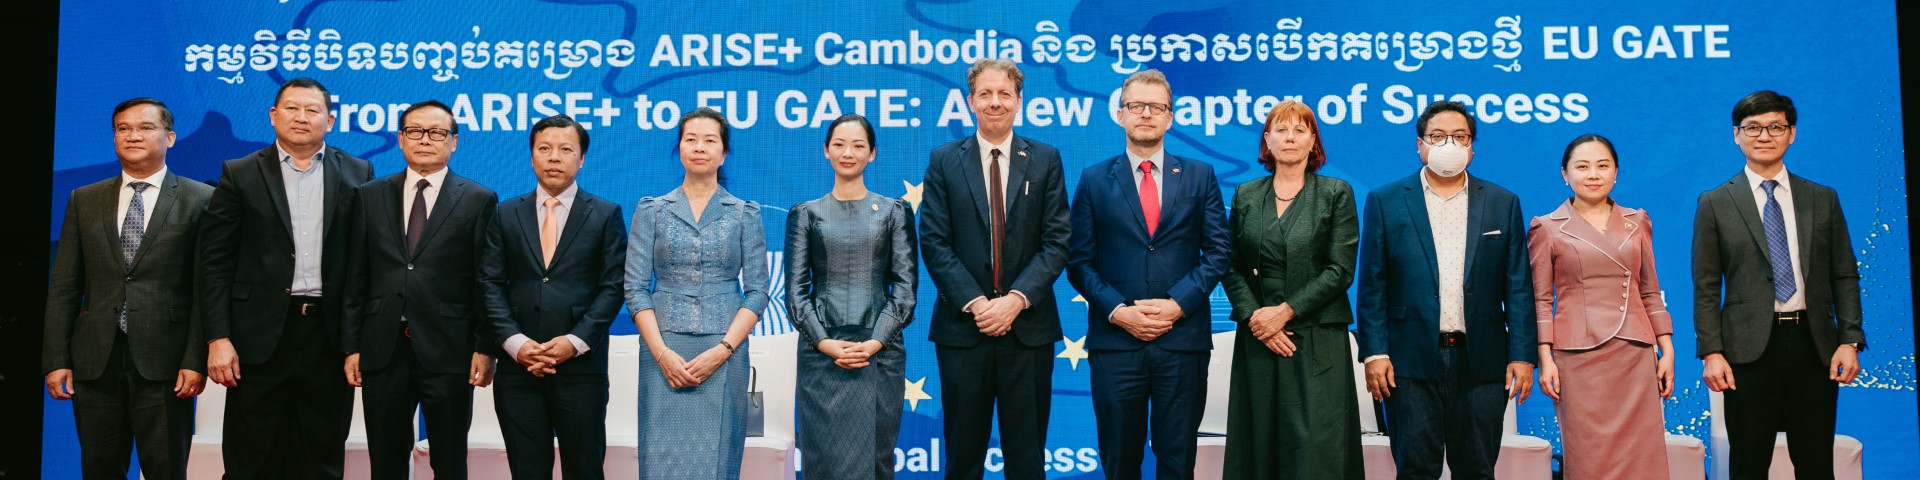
1150, 242
1777, 298
993, 236
274, 245
122, 340
551, 273
415, 330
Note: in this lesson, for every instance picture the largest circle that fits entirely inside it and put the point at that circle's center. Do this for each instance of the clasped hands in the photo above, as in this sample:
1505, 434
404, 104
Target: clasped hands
1147, 319
540, 359
994, 316
849, 355
683, 373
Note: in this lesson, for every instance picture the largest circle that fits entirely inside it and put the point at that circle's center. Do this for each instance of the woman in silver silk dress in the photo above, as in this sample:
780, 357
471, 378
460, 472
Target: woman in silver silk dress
851, 276
696, 284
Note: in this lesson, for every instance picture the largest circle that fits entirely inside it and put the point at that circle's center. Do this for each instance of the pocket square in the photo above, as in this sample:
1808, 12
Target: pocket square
1495, 232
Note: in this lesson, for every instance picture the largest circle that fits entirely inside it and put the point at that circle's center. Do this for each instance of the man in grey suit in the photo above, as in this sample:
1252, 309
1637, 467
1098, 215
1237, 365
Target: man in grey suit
1776, 298
122, 340
274, 248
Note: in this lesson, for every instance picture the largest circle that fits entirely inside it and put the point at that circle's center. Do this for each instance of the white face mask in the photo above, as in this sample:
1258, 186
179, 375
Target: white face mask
1448, 159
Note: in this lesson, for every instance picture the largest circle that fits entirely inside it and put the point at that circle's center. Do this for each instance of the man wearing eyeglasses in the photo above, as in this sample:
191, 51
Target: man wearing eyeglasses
273, 244
1149, 243
1776, 297
122, 340
415, 326
1446, 319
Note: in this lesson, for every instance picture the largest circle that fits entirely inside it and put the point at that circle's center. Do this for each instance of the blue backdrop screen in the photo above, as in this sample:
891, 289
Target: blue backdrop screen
1658, 77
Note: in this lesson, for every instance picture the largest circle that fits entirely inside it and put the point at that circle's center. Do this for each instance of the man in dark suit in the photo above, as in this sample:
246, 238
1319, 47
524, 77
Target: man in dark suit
1777, 298
1150, 242
993, 236
121, 339
1445, 289
274, 245
415, 328
551, 273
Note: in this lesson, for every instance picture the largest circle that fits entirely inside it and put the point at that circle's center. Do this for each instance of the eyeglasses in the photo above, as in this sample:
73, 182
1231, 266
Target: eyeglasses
1138, 108
145, 129
1774, 130
1435, 139
414, 133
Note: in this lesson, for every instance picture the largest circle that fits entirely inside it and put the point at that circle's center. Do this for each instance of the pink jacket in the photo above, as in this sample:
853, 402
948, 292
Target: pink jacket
1605, 282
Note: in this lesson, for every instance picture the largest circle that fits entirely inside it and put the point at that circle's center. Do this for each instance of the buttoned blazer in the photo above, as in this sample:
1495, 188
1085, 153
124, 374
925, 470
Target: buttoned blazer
92, 280
1591, 286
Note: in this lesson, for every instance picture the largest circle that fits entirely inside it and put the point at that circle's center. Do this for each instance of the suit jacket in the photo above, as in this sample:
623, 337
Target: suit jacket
92, 279
1112, 260
1730, 252
1605, 282
1308, 266
246, 248
1399, 308
577, 294
435, 287
955, 228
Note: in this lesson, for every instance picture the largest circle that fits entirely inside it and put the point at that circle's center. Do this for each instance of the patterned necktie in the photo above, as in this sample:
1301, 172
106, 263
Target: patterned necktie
131, 229
1775, 225
549, 233
1149, 197
997, 202
417, 218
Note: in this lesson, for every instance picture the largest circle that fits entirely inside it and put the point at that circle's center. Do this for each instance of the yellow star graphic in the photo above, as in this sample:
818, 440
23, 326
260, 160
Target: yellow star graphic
1075, 351
1079, 298
916, 393
913, 194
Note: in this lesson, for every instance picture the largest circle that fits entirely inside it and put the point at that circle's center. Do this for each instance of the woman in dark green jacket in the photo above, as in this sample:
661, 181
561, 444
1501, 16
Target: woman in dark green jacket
1295, 236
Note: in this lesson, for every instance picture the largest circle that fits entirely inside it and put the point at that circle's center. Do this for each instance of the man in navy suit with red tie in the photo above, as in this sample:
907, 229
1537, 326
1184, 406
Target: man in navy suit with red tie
1149, 243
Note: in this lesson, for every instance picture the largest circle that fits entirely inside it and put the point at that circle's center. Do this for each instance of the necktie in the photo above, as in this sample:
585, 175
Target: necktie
417, 218
1149, 197
1775, 224
131, 228
997, 202
549, 233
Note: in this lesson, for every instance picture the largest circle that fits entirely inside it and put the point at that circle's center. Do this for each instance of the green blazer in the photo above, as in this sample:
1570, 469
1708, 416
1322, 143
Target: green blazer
1309, 265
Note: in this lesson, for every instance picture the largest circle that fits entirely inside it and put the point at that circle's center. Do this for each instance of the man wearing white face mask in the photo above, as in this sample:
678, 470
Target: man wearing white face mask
1446, 326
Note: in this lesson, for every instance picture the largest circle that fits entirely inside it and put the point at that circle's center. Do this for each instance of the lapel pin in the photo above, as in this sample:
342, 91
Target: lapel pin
1023, 153
1629, 226
1176, 170
876, 207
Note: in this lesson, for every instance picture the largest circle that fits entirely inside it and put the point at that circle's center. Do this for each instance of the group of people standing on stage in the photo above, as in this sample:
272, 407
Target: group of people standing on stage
314, 277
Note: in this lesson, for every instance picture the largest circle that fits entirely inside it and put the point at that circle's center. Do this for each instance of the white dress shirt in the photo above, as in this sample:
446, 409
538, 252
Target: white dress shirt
540, 196
1006, 195
410, 188
147, 198
1782, 193
1448, 215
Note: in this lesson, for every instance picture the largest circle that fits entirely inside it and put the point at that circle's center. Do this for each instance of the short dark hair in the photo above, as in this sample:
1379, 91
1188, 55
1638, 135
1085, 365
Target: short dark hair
559, 121
305, 82
1764, 102
1436, 108
452, 127
1582, 140
166, 116
708, 113
852, 118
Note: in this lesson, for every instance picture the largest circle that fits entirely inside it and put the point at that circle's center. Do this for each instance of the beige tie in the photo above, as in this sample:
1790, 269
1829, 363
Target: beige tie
549, 233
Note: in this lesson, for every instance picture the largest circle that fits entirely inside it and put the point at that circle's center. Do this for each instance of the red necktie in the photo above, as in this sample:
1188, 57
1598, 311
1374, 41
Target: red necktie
997, 202
1149, 197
